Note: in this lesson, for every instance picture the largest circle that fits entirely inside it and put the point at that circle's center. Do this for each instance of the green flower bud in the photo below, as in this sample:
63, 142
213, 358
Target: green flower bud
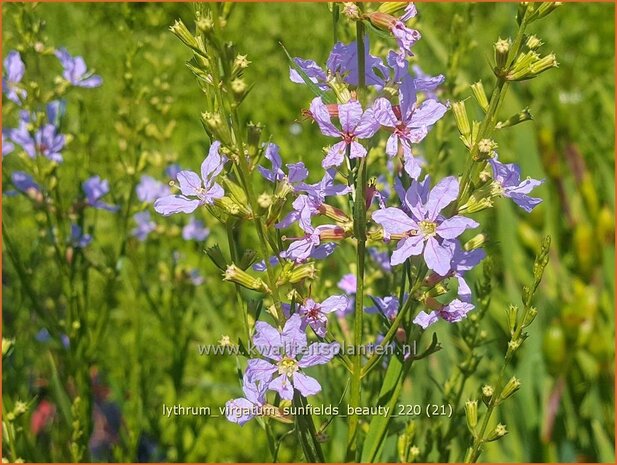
502, 48
510, 388
180, 30
302, 272
543, 64
235, 274
512, 313
533, 42
471, 414
462, 121
480, 95
530, 316
475, 242
499, 432
520, 117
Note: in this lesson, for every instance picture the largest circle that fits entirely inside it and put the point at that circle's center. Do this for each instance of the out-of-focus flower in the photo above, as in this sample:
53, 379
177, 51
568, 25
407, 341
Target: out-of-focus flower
195, 230
79, 239
94, 188
387, 305
14, 72
144, 227
150, 189
76, 71
7, 145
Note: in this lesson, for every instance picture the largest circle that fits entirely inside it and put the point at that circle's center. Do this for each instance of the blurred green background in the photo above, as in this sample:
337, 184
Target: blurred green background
569, 357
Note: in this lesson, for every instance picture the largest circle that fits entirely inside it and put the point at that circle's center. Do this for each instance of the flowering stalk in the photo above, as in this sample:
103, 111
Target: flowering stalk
503, 390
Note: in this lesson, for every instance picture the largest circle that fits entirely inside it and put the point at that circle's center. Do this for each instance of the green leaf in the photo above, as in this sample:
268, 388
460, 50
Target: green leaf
62, 398
306, 433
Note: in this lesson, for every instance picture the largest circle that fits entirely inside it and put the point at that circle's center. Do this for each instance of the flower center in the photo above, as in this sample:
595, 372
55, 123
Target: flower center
313, 312
427, 228
287, 366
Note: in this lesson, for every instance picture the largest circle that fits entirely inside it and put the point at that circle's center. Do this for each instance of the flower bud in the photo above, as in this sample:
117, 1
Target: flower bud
487, 393
380, 20
180, 30
462, 121
543, 64
502, 48
486, 146
264, 200
334, 213
533, 43
530, 316
510, 388
235, 274
475, 242
480, 95
238, 86
471, 414
302, 272
215, 127
512, 313
351, 10
499, 432
520, 117
521, 68
248, 258
253, 137
215, 254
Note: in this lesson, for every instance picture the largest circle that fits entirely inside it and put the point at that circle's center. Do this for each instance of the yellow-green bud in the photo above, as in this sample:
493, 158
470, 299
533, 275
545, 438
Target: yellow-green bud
533, 43
225, 341
512, 313
475, 242
7, 345
502, 48
499, 432
238, 86
351, 10
462, 121
510, 388
480, 95
264, 200
471, 414
302, 272
180, 30
235, 274
524, 115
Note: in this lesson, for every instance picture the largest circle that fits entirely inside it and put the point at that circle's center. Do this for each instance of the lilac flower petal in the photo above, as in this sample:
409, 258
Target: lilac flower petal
456, 311
335, 155
239, 410
307, 385
437, 256
357, 150
442, 195
213, 163
293, 336
334, 303
259, 370
428, 113
424, 320
350, 114
405, 248
267, 340
190, 184
319, 353
526, 202
172, 204
297, 172
453, 227
283, 386
394, 220
322, 117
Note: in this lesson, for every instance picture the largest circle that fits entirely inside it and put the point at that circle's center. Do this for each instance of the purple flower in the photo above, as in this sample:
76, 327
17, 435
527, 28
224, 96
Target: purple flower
195, 230
282, 349
382, 259
150, 189
195, 277
308, 246
348, 283
46, 140
306, 206
405, 38
15, 69
409, 124
508, 181
95, 188
463, 261
454, 312
206, 190
319, 253
315, 314
172, 171
144, 227
425, 231
425, 83
297, 171
245, 408
79, 239
344, 62
387, 306
355, 125
7, 145
409, 12
24, 183
76, 71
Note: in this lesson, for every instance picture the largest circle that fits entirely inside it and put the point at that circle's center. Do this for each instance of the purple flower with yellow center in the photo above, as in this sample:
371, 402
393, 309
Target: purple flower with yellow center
195, 191
195, 230
76, 71
282, 372
150, 189
355, 125
144, 225
508, 183
297, 171
14, 68
79, 239
245, 408
409, 124
94, 188
424, 229
315, 314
